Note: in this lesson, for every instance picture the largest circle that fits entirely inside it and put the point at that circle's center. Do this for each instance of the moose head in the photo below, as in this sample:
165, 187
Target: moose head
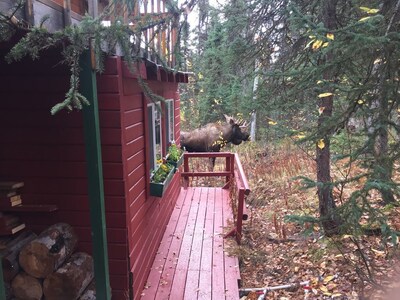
214, 136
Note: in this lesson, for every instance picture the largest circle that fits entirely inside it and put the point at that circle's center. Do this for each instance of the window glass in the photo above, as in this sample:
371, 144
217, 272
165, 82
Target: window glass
155, 135
158, 132
169, 121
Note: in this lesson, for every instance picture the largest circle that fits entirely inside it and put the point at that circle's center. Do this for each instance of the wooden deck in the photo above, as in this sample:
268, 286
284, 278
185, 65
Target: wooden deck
191, 262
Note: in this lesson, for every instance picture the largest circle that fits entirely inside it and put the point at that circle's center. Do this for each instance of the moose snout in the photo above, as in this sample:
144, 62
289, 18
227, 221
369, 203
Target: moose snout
246, 136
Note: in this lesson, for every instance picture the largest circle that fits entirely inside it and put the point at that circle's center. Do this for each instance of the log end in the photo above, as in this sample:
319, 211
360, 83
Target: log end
36, 260
26, 287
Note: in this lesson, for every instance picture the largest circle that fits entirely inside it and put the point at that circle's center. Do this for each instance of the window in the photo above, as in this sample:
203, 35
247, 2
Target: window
169, 121
155, 134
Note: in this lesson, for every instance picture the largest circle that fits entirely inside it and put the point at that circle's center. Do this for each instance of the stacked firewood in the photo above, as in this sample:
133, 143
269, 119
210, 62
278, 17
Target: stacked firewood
45, 266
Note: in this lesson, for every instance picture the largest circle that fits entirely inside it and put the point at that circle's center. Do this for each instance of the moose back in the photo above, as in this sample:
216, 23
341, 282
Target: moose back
214, 136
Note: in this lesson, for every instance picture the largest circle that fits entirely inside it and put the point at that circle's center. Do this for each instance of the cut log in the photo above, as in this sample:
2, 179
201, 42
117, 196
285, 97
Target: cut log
90, 292
71, 279
10, 254
26, 287
48, 251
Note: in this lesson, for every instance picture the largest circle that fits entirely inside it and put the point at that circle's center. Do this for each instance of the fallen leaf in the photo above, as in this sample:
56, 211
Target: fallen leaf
369, 10
364, 19
324, 289
329, 278
323, 95
317, 44
378, 252
321, 144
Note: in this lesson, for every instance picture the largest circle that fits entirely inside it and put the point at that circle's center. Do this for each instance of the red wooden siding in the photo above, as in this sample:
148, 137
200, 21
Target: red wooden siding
147, 216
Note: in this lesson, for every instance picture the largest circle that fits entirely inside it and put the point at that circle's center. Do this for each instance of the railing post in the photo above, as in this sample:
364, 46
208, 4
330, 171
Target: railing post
239, 222
232, 162
229, 169
186, 169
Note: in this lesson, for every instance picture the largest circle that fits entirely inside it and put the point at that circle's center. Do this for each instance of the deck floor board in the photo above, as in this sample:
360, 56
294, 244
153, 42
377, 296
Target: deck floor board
191, 262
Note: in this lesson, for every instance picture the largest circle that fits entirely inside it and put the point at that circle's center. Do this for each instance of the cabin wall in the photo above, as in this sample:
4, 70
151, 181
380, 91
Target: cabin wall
147, 215
48, 154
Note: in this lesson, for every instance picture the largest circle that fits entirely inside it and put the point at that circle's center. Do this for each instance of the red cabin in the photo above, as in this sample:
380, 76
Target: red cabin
50, 154
47, 153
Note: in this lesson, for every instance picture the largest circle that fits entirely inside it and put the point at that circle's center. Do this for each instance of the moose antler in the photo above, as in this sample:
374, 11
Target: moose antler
243, 124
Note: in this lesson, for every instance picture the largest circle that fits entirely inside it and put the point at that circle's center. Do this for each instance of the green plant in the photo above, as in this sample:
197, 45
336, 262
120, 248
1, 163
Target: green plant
159, 175
174, 153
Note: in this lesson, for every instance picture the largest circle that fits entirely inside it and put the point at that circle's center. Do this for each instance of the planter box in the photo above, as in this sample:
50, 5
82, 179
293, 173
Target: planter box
157, 189
176, 164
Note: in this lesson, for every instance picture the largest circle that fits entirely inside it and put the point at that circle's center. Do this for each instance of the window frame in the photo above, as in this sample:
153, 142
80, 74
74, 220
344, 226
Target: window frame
151, 122
169, 126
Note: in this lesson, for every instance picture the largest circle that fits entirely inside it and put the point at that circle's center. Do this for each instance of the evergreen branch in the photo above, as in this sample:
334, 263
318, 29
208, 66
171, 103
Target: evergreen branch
149, 93
88, 33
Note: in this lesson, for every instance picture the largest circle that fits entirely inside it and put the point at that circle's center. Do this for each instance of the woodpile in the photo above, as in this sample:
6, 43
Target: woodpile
70, 280
10, 254
48, 251
46, 267
27, 287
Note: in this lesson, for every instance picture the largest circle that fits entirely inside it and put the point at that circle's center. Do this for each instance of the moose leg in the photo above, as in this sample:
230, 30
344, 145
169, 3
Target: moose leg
212, 163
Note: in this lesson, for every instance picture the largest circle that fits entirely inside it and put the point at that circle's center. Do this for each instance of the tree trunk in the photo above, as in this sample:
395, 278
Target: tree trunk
48, 251
383, 165
330, 220
71, 279
10, 254
26, 287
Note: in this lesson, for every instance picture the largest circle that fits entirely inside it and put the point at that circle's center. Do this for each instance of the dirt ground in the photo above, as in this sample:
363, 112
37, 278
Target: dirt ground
274, 252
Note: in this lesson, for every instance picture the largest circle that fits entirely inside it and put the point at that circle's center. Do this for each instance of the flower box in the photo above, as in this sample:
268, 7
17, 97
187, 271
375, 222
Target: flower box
177, 163
157, 189
175, 156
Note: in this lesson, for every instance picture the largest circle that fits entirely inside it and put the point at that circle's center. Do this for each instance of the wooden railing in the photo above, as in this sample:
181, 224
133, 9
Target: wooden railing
157, 26
235, 180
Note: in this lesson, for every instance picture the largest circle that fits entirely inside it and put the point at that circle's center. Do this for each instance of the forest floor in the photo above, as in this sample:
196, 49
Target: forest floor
274, 252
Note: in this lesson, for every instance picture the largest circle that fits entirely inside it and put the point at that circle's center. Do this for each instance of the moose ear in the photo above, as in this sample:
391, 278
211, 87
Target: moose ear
229, 120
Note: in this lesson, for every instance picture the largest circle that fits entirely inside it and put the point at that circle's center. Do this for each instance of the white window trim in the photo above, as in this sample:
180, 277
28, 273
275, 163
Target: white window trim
171, 134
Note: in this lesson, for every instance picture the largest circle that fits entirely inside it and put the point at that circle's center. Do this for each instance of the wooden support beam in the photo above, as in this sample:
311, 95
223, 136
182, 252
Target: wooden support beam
93, 6
29, 16
95, 178
67, 13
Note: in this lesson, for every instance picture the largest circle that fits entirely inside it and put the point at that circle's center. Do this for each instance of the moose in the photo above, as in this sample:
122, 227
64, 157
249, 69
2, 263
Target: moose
214, 136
